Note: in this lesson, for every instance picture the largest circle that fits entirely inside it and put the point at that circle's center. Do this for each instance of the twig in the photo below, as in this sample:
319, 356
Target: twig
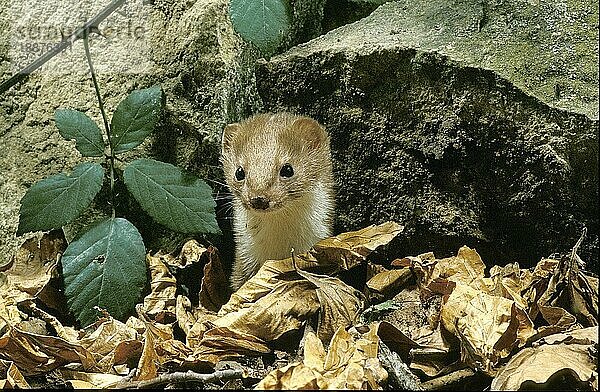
442, 382
579, 241
400, 376
574, 257
221, 375
62, 45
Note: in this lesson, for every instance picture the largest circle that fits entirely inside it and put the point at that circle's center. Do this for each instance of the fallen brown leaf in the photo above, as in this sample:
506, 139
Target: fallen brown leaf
83, 380
571, 288
350, 363
386, 284
104, 340
222, 343
27, 276
159, 304
212, 294
11, 377
350, 249
36, 354
489, 327
285, 308
536, 365
339, 303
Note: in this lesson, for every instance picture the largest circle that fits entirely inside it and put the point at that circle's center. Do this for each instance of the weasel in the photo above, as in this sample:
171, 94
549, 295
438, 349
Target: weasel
278, 169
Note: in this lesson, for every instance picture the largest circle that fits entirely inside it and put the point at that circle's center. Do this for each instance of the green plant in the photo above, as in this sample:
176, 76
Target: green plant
104, 266
265, 23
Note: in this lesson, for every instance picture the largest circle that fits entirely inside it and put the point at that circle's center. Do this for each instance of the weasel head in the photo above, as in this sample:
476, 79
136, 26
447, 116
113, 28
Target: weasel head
272, 160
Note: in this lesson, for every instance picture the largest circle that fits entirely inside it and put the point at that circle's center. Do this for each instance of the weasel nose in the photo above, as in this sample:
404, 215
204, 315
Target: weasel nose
259, 203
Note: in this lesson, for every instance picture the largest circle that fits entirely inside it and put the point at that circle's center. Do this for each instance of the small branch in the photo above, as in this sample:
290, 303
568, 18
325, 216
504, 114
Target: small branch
399, 374
62, 45
177, 377
442, 382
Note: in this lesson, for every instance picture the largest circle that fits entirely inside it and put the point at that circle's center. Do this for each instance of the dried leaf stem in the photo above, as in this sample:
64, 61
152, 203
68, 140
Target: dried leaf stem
178, 377
442, 382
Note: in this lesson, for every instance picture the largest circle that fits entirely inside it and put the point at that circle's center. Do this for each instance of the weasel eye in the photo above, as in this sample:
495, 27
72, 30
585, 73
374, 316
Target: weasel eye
240, 174
286, 171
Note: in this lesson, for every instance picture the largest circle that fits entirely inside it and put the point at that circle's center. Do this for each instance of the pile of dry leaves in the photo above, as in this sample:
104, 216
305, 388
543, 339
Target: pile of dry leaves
418, 323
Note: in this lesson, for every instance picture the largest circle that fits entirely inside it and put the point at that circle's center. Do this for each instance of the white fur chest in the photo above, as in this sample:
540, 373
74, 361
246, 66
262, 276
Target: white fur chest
271, 236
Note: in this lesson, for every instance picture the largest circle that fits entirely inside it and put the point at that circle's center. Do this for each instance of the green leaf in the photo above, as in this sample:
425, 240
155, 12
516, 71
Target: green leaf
55, 201
265, 23
76, 125
135, 118
178, 200
104, 267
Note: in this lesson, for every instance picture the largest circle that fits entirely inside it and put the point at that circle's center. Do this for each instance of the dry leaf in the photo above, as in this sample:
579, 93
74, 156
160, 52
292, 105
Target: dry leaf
202, 322
183, 313
35, 263
350, 363
162, 350
150, 361
395, 339
538, 364
174, 353
83, 380
223, 343
191, 252
106, 338
9, 313
509, 282
27, 275
127, 351
386, 283
212, 295
272, 273
339, 303
69, 334
159, 305
466, 267
36, 354
422, 266
277, 299
424, 349
570, 288
11, 377
488, 326
269, 304
285, 308
288, 303
350, 249
537, 285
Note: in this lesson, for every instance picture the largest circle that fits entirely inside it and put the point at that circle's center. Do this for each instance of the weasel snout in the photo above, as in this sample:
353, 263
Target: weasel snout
260, 203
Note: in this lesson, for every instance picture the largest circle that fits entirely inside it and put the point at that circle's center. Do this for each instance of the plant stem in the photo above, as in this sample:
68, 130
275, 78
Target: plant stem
111, 155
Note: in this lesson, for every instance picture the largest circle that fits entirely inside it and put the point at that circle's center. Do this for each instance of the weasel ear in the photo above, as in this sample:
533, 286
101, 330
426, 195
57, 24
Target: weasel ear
311, 132
228, 134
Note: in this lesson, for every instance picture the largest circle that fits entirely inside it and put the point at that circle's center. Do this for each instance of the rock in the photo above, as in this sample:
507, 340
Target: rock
470, 123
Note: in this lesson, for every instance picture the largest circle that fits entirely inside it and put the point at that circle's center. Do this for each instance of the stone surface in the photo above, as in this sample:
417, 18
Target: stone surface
469, 122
